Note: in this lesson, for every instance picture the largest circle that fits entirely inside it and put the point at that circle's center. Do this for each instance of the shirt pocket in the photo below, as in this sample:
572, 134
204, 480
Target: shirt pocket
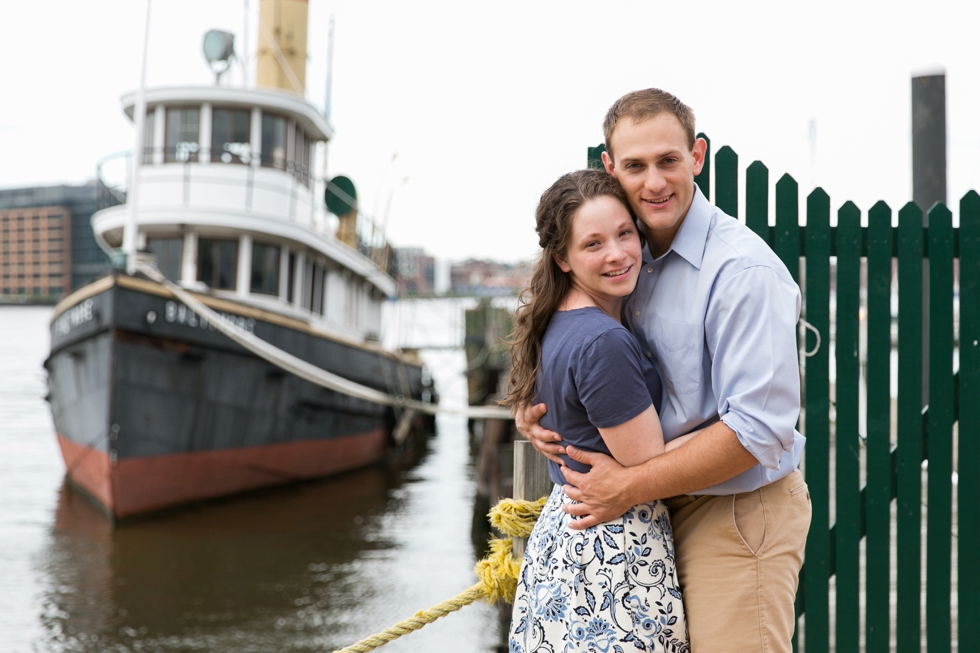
679, 352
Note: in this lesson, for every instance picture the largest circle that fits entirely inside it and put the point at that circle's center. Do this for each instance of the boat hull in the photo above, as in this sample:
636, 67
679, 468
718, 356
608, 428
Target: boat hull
154, 407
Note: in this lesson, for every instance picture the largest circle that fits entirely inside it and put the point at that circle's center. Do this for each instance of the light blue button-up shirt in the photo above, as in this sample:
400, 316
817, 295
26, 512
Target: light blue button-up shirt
717, 313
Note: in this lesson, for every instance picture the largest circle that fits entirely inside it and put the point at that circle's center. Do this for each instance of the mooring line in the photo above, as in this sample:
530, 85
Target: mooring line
498, 574
305, 370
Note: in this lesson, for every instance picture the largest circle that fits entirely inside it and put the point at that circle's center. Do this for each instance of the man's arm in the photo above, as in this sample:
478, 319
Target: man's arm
528, 422
610, 489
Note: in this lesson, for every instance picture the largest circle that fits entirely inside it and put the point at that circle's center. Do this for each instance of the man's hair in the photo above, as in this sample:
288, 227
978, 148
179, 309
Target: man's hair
641, 105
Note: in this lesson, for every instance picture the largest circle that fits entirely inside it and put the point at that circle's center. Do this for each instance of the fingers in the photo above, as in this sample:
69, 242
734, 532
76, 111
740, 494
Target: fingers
528, 416
538, 432
537, 411
590, 458
585, 522
550, 451
573, 492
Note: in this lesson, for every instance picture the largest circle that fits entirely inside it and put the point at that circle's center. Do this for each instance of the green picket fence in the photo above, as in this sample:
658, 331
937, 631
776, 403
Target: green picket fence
887, 450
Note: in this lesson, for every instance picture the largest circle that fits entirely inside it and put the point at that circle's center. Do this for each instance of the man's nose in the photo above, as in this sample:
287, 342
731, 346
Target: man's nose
654, 181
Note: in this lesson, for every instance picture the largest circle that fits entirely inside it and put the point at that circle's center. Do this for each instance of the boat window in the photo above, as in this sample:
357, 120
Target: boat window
217, 262
265, 269
307, 285
230, 136
301, 156
273, 141
182, 139
316, 290
148, 134
292, 277
168, 252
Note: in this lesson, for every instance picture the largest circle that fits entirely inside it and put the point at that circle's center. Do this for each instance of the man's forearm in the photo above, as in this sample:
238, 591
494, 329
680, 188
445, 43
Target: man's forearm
712, 457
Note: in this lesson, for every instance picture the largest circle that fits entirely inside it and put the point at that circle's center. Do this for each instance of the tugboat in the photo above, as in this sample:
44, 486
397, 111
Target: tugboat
153, 404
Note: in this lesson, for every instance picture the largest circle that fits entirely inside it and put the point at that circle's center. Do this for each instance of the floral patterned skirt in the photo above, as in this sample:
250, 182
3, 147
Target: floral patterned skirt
611, 588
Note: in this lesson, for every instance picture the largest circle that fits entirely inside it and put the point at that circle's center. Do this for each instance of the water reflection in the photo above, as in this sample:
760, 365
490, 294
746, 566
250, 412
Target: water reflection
315, 566
294, 569
234, 575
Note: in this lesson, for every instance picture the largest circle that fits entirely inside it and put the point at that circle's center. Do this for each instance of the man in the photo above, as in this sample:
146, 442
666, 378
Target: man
716, 310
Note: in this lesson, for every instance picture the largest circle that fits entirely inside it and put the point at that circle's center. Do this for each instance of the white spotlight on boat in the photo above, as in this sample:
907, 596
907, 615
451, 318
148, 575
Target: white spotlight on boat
219, 50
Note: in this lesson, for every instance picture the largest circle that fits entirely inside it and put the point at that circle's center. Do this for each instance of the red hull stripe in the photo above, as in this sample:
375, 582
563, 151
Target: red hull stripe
137, 485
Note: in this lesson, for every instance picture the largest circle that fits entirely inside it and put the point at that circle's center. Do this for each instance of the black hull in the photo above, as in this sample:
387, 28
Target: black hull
154, 407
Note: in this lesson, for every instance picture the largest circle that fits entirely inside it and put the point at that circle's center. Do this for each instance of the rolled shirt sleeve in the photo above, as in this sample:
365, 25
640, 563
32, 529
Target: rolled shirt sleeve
750, 332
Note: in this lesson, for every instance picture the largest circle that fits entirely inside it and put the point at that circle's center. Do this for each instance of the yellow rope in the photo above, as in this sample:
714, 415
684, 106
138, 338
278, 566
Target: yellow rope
515, 517
497, 572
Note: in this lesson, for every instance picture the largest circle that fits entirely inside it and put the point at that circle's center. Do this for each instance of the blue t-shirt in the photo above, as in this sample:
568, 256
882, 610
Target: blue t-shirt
591, 376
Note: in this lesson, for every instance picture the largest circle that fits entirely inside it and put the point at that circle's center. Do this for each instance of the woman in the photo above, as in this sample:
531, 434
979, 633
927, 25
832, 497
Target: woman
611, 587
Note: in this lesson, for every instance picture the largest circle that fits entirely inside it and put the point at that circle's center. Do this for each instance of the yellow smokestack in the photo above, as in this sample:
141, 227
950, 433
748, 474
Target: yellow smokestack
282, 25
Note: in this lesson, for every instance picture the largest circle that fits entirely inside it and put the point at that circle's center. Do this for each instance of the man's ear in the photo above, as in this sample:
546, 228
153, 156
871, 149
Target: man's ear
561, 262
697, 152
607, 162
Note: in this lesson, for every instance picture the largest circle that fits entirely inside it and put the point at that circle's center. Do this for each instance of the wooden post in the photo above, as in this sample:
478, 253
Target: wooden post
531, 481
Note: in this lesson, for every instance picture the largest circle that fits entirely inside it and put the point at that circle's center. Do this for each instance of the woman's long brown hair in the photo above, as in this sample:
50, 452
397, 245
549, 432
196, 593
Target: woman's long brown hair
549, 285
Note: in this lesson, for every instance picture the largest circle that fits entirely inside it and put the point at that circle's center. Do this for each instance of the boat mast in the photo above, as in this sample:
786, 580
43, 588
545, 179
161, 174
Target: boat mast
327, 100
131, 228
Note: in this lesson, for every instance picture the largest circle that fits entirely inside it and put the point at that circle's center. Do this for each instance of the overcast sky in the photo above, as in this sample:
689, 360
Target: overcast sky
485, 104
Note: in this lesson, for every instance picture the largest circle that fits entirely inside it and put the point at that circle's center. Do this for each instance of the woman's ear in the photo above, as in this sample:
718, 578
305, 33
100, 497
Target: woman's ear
561, 262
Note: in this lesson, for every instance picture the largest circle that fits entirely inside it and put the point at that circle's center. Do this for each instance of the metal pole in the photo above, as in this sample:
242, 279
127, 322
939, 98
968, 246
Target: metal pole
928, 176
328, 99
131, 228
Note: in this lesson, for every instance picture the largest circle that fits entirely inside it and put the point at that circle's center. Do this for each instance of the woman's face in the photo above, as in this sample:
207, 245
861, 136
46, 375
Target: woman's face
603, 253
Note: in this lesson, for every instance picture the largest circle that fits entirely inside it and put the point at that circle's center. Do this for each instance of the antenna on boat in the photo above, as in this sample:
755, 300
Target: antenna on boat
131, 226
219, 50
326, 103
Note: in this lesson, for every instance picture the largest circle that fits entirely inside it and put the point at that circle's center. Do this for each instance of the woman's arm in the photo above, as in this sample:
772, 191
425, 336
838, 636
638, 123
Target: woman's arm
635, 441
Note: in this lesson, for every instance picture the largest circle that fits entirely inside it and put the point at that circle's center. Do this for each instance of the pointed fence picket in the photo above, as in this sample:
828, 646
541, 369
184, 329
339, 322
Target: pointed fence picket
851, 275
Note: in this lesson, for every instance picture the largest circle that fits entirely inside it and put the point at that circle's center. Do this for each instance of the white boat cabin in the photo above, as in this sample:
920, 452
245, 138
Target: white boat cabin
228, 201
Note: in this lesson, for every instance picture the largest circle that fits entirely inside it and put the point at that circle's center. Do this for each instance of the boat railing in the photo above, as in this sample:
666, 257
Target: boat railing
180, 168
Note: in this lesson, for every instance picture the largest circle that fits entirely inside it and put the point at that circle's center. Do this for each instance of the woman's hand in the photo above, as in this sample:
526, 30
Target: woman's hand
603, 493
528, 421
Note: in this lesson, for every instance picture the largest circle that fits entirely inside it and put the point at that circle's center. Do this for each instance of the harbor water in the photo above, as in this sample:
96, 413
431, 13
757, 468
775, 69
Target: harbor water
309, 567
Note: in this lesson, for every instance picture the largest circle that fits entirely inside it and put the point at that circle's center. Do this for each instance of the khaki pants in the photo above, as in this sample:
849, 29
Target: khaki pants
738, 562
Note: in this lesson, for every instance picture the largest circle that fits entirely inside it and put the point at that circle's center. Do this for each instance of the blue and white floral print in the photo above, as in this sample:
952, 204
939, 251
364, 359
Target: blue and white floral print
611, 588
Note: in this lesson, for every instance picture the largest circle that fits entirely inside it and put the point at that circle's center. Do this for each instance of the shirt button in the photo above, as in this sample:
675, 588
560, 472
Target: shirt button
649, 355
650, 270
637, 314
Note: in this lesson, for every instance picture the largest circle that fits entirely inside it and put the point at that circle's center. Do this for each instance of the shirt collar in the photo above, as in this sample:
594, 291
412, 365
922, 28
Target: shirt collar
693, 234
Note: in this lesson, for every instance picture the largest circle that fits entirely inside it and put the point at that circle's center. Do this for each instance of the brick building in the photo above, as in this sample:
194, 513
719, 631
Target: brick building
416, 271
47, 248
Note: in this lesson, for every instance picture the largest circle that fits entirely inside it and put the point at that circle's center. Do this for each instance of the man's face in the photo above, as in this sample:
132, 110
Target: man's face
656, 168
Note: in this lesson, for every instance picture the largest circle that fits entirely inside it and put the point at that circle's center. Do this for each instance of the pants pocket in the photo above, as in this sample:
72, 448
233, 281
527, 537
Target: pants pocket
749, 515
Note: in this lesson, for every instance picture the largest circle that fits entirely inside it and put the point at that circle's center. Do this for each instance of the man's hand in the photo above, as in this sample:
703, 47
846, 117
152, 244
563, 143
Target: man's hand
602, 493
528, 421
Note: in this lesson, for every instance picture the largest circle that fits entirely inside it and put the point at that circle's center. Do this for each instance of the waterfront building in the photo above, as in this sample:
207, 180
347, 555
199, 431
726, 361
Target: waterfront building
416, 271
488, 278
47, 248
